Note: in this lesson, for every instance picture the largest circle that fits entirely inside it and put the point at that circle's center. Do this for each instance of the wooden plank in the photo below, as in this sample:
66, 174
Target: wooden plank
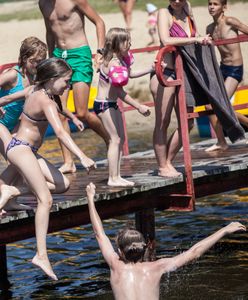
151, 191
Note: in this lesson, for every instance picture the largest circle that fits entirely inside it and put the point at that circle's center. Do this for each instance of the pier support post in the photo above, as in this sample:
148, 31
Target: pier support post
4, 283
145, 223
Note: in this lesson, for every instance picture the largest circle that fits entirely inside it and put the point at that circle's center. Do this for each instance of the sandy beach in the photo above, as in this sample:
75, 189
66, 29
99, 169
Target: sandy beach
13, 32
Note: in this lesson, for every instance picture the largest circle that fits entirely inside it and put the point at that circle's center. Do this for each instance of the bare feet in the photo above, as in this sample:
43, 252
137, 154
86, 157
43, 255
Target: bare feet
44, 263
7, 192
217, 147
2, 212
14, 205
67, 168
168, 171
120, 182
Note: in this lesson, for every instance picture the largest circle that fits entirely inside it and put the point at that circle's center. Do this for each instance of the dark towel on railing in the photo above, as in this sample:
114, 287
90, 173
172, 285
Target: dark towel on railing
204, 84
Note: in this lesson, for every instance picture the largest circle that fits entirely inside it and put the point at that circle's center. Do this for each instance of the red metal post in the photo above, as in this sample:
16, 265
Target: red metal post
185, 132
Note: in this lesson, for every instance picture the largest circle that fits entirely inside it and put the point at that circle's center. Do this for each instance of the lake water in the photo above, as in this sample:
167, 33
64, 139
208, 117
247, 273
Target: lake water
222, 273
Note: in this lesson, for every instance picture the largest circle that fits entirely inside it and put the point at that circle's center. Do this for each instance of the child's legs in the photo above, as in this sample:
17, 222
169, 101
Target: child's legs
81, 91
110, 122
217, 127
56, 181
25, 161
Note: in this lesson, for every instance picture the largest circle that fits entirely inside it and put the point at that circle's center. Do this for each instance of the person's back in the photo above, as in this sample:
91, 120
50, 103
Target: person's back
134, 281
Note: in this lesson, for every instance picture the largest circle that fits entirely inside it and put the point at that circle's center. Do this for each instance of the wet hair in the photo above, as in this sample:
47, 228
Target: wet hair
29, 47
131, 244
52, 68
115, 41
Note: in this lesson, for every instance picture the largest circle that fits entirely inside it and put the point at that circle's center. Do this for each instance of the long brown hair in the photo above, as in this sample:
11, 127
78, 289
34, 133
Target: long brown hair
115, 41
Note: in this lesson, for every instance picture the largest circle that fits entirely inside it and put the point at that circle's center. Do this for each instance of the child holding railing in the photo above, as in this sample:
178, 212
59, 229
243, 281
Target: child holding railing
115, 71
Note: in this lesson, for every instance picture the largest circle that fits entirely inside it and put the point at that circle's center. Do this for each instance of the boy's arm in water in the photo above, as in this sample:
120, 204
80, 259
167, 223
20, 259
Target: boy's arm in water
103, 241
237, 25
172, 264
51, 113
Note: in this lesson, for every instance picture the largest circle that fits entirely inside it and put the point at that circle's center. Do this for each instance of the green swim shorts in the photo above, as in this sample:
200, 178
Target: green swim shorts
80, 60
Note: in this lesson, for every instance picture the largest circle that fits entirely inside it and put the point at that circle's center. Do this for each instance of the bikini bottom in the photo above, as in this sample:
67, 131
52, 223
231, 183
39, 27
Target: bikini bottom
16, 142
101, 106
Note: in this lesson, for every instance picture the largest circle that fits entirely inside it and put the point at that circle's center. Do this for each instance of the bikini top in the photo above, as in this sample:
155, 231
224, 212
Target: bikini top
177, 31
59, 108
18, 87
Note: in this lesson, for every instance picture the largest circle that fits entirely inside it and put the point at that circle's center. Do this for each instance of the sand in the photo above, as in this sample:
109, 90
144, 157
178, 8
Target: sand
13, 32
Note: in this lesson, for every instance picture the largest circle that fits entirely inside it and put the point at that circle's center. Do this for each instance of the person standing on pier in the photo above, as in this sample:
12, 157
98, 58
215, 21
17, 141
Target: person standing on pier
130, 276
231, 65
115, 71
42, 106
66, 39
176, 26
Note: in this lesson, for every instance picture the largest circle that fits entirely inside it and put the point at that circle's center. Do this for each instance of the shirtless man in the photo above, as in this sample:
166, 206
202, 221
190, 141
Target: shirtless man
231, 65
131, 277
65, 26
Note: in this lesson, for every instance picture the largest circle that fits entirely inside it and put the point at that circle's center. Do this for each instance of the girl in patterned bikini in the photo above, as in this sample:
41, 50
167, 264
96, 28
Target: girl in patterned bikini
42, 105
176, 27
14, 85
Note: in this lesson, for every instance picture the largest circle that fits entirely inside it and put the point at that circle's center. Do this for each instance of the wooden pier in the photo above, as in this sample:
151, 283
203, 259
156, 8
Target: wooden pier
213, 173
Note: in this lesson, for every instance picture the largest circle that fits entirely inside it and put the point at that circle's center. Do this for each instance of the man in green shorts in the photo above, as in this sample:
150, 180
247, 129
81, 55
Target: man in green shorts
66, 38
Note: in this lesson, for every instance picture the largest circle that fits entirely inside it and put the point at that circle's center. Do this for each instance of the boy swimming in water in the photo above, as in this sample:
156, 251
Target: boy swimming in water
130, 276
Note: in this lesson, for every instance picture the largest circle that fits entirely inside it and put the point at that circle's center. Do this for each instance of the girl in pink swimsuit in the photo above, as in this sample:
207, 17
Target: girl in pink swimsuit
176, 27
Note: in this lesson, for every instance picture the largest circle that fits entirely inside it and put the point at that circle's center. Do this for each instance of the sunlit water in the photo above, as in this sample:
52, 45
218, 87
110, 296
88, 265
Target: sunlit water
222, 273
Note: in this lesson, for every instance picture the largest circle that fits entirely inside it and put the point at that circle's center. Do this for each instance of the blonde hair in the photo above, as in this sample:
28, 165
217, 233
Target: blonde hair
132, 245
29, 47
115, 41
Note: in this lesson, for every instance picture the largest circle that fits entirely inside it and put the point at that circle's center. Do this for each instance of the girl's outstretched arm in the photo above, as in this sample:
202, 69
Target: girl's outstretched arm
103, 241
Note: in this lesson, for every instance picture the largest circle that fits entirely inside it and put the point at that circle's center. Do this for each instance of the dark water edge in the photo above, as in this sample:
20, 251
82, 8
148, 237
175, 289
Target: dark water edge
220, 274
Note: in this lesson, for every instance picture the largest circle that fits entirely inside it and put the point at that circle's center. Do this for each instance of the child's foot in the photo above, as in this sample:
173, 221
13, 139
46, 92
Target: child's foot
2, 212
44, 263
120, 182
217, 147
7, 192
68, 168
14, 205
169, 171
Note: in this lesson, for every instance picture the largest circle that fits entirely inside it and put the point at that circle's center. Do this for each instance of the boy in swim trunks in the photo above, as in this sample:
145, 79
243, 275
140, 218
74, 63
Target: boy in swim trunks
66, 38
131, 276
231, 66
